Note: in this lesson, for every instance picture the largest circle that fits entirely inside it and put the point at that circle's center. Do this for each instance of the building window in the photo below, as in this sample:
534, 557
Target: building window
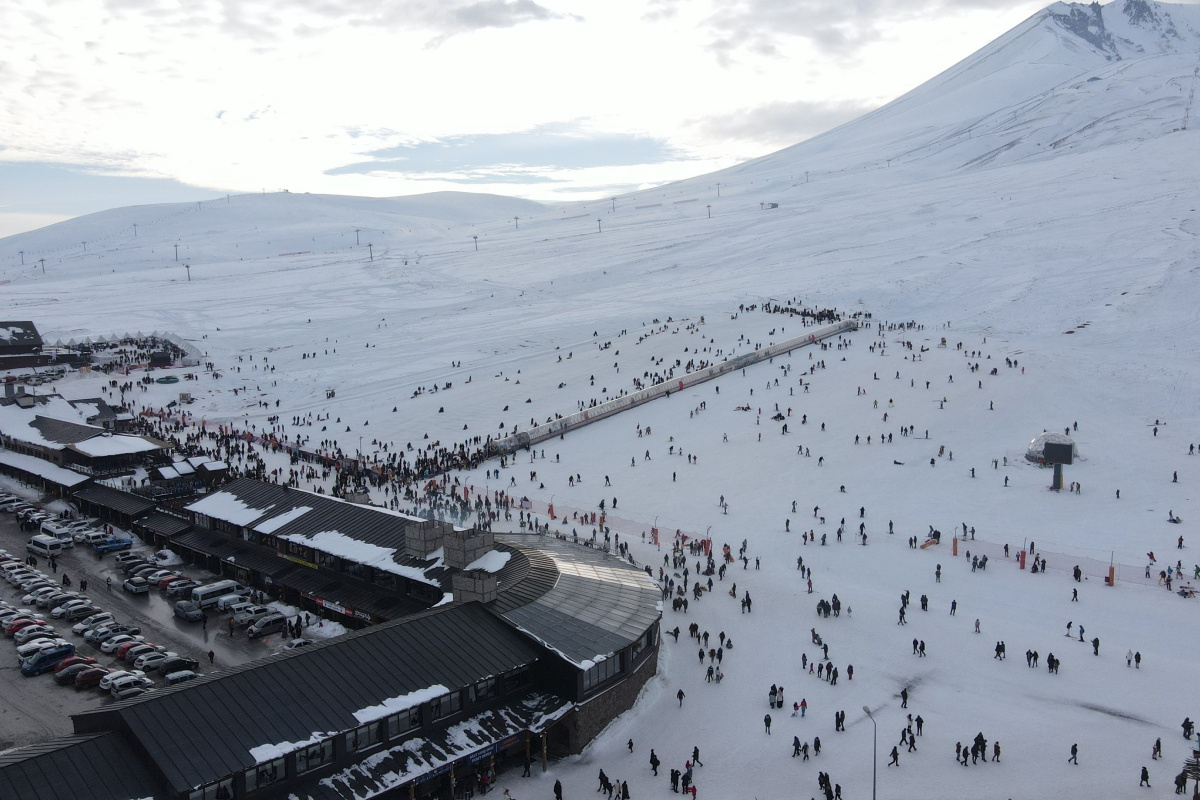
482, 691
221, 790
385, 579
446, 705
362, 738
645, 642
515, 681
404, 722
607, 669
266, 774
352, 568
314, 756
326, 560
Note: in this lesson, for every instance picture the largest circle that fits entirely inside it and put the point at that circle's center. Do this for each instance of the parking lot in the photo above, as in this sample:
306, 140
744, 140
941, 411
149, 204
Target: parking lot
36, 708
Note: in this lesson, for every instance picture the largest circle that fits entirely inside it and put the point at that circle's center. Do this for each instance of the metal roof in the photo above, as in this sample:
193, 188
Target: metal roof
289, 696
472, 738
19, 337
597, 605
115, 500
64, 432
164, 524
278, 504
96, 766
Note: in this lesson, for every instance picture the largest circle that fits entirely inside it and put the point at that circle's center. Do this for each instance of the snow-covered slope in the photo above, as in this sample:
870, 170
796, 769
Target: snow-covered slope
1036, 202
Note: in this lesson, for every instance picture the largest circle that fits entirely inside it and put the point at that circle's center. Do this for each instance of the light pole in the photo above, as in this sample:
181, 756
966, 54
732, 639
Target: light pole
614, 202
22, 258
710, 211
718, 190
176, 252
188, 267
598, 228
517, 222
874, 753
356, 232
476, 238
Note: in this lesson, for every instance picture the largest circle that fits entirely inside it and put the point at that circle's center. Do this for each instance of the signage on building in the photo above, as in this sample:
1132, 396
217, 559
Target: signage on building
296, 560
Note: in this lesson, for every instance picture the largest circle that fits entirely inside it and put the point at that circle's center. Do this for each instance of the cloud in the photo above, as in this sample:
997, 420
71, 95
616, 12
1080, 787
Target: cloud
780, 123
66, 190
556, 146
260, 20
837, 27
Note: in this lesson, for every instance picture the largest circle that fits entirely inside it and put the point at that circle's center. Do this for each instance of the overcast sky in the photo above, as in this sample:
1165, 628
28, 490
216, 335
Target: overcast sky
106, 103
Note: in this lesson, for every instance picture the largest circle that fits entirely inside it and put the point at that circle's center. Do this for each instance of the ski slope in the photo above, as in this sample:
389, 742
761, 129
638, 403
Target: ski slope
1040, 195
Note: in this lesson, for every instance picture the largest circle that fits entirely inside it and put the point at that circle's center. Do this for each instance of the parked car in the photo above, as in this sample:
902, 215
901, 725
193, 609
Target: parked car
37, 645
264, 626
140, 649
47, 659
168, 579
91, 677
111, 645
65, 676
94, 621
112, 545
136, 586
25, 634
158, 574
250, 615
180, 676
107, 682
176, 663
59, 598
181, 588
135, 690
188, 611
125, 558
128, 567
13, 613
125, 682
148, 662
116, 630
79, 612
61, 611
75, 659
33, 596
296, 644
13, 625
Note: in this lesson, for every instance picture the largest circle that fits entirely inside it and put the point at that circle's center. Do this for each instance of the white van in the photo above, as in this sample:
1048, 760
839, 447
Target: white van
205, 596
226, 601
44, 546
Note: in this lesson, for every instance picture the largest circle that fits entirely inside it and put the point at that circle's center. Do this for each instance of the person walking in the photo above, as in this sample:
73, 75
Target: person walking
1145, 778
680, 695
767, 723
558, 790
1074, 759
895, 762
211, 657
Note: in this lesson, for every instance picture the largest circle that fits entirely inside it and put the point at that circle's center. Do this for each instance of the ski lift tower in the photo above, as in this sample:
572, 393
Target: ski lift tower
1057, 454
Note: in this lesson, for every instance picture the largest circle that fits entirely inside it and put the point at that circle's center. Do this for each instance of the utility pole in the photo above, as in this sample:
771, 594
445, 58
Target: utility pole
370, 251
874, 754
718, 190
476, 238
614, 202
598, 228
176, 253
22, 258
43, 262
517, 222
709, 210
85, 247
356, 230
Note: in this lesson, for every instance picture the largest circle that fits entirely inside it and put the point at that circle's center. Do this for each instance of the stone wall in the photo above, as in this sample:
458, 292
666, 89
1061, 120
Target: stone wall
422, 538
474, 585
591, 717
465, 546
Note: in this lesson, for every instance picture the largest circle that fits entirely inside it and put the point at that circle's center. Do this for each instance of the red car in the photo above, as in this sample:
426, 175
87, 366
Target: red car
90, 677
124, 648
14, 625
168, 579
66, 662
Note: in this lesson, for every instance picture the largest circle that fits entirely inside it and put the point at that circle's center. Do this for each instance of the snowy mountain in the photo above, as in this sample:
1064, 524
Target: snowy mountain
1036, 203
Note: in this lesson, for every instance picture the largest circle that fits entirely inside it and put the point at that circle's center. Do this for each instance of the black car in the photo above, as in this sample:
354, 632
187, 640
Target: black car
66, 677
178, 664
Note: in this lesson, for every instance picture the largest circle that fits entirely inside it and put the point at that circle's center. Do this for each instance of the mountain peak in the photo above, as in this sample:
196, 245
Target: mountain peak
1132, 29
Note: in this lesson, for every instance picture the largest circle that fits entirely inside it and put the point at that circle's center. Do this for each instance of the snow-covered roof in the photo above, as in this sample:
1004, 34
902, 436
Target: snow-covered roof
115, 444
227, 508
41, 468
